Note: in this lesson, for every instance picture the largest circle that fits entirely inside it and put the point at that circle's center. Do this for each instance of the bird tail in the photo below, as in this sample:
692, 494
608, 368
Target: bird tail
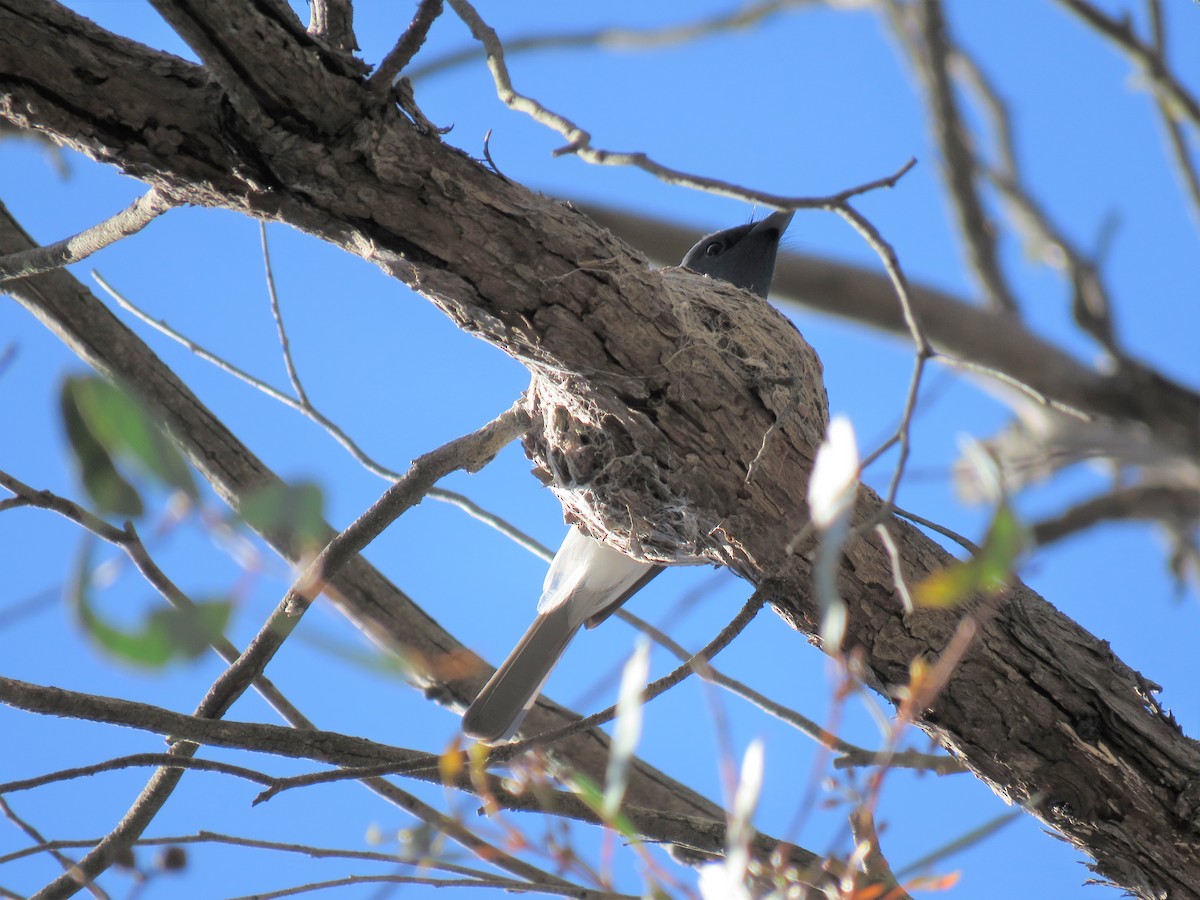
510, 693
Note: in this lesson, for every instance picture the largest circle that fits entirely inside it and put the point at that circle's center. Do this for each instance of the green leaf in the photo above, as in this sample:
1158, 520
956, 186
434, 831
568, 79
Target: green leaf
125, 427
165, 634
109, 491
987, 573
292, 513
593, 798
190, 630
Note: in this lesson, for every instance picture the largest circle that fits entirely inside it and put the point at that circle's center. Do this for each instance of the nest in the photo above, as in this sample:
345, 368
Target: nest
709, 396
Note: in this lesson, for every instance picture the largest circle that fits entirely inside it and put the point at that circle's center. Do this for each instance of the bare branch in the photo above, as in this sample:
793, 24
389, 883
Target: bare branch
504, 884
66, 862
193, 730
333, 22
742, 18
136, 760
1175, 135
697, 663
579, 142
849, 755
212, 837
1152, 502
930, 55
144, 210
407, 46
277, 315
294, 90
1120, 32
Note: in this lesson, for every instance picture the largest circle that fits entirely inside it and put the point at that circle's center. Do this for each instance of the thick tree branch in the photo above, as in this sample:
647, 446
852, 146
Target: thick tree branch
628, 363
696, 833
289, 93
1165, 412
333, 22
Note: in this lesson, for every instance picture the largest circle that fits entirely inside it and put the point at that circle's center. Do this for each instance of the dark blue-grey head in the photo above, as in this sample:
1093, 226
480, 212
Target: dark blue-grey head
744, 256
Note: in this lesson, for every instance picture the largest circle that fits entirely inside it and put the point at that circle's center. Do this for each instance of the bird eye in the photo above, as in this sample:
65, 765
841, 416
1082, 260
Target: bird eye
713, 249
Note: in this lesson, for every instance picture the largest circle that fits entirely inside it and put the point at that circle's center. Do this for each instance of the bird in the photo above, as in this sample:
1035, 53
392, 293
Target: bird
588, 580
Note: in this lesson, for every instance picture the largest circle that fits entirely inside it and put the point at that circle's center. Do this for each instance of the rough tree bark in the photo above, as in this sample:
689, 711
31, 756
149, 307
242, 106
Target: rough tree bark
689, 412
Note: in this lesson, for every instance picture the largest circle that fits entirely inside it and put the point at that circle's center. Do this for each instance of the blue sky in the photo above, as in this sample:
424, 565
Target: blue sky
806, 103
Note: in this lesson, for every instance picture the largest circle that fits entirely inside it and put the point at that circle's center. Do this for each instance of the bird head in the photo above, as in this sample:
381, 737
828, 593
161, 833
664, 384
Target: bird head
744, 256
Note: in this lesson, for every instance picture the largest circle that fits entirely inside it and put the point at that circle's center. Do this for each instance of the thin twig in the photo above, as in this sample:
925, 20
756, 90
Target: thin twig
735, 627
964, 542
315, 415
929, 49
135, 760
506, 884
406, 47
492, 520
1175, 136
875, 865
849, 755
128, 540
506, 752
924, 350
144, 210
277, 315
213, 837
1120, 32
579, 141
63, 860
620, 38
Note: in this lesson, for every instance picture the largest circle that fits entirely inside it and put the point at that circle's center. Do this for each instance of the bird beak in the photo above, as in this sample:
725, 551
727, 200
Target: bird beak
778, 221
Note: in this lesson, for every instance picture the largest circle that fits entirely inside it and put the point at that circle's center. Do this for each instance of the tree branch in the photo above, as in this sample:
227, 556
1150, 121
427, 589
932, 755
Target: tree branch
407, 46
698, 833
930, 54
141, 213
1039, 708
1165, 412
